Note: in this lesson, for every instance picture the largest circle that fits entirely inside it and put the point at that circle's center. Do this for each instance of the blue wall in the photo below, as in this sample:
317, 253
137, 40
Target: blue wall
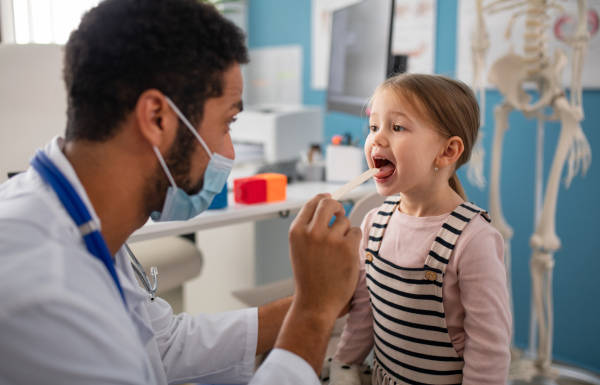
576, 282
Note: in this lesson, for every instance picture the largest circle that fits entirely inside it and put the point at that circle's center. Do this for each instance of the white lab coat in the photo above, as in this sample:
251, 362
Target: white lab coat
62, 319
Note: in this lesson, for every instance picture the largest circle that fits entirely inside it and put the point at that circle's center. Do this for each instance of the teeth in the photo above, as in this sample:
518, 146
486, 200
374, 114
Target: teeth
380, 158
379, 161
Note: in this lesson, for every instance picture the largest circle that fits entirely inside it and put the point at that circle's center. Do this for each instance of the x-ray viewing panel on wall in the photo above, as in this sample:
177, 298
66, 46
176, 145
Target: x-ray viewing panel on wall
360, 48
560, 26
413, 35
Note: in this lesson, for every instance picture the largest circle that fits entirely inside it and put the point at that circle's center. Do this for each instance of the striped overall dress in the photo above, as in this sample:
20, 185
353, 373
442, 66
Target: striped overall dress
412, 345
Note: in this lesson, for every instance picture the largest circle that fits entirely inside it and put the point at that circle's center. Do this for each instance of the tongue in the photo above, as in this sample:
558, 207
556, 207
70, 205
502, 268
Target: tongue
385, 171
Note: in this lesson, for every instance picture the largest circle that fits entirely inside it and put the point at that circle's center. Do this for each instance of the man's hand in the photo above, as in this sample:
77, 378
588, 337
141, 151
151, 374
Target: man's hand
325, 264
324, 259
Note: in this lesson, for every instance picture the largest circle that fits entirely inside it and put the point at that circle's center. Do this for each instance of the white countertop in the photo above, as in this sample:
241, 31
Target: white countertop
297, 195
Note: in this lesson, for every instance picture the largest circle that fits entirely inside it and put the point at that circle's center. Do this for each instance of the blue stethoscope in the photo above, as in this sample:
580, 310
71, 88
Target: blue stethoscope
92, 236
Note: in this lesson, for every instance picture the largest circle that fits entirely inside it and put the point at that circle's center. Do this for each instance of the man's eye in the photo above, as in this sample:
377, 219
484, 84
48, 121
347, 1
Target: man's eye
231, 121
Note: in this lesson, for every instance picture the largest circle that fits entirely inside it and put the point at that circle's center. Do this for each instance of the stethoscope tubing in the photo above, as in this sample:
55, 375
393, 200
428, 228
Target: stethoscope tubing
92, 236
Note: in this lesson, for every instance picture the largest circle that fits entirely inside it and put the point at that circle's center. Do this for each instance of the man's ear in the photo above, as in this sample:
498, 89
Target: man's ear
157, 122
453, 149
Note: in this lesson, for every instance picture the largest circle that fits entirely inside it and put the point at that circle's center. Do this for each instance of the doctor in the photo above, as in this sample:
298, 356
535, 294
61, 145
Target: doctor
152, 88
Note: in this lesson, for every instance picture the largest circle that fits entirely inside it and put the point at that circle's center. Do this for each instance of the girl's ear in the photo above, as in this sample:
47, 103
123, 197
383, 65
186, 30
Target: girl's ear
453, 149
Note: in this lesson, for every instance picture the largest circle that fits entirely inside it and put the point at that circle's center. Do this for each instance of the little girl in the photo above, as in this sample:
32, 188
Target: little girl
432, 294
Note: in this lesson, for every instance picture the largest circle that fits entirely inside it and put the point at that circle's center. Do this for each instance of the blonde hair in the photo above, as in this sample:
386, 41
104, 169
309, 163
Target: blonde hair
447, 105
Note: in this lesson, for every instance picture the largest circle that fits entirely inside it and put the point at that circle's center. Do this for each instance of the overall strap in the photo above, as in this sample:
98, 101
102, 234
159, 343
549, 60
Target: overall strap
444, 243
381, 221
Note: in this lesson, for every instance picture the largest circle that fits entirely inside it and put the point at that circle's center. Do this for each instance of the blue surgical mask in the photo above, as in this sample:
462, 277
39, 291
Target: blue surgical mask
179, 205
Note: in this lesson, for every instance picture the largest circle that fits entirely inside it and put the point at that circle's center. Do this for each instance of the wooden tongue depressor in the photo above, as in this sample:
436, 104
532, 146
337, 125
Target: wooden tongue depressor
337, 194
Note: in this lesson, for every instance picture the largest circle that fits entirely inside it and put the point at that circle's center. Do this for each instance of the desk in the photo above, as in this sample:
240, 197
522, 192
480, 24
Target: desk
297, 195
259, 252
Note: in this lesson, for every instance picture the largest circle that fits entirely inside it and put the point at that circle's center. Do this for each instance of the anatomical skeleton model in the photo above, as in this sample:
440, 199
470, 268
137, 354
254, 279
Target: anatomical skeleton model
509, 73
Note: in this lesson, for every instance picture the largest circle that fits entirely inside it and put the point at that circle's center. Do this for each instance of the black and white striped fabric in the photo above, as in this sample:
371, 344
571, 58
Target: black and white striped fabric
412, 345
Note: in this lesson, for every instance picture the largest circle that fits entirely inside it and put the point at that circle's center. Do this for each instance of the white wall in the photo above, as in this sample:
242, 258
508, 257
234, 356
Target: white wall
32, 102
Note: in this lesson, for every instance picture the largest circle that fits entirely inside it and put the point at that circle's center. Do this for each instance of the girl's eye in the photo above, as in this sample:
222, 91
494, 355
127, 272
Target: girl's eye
374, 128
399, 128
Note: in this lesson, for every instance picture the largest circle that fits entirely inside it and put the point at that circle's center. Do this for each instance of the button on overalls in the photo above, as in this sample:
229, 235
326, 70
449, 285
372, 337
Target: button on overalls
412, 345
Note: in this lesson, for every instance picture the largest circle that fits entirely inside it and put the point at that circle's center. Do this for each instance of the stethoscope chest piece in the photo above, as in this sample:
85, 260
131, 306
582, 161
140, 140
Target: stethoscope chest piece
150, 287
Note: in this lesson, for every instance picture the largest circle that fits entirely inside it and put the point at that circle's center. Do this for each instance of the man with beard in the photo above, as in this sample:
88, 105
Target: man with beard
152, 88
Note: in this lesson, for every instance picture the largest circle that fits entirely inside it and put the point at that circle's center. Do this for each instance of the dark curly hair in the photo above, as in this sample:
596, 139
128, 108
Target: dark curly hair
124, 47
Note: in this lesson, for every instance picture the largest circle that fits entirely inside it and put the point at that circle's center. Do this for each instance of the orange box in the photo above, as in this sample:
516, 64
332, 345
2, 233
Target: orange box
276, 186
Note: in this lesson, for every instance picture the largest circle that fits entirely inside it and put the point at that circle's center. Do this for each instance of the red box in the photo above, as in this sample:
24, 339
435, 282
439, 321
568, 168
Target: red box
250, 190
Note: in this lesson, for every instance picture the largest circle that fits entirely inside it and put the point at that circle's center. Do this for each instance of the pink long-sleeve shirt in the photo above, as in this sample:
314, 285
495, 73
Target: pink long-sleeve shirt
475, 295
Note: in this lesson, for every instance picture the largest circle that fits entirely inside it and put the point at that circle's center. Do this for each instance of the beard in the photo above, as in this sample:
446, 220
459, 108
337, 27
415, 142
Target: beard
178, 160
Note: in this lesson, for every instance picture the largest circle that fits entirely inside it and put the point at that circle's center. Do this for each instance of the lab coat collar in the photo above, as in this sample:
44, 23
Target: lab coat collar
54, 151
134, 295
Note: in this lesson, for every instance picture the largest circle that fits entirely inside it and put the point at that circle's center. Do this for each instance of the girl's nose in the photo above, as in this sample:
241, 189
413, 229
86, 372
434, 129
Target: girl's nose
378, 139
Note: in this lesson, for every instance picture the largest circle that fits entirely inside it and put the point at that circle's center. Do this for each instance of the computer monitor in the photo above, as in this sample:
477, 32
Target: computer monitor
360, 59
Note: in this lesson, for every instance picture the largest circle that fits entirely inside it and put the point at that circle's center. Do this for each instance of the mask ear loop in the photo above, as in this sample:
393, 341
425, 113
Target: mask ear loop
164, 166
189, 125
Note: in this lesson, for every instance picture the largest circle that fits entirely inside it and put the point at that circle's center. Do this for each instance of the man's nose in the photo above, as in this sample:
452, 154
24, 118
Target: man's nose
228, 150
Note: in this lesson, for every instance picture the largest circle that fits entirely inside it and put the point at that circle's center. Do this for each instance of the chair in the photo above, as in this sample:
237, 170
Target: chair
264, 294
177, 260
363, 206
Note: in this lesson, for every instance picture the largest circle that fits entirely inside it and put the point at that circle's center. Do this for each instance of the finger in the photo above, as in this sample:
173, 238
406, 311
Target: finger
341, 225
326, 209
354, 235
308, 210
346, 309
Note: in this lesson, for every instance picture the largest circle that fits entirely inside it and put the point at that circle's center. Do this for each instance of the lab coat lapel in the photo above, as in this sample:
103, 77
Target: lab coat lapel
135, 297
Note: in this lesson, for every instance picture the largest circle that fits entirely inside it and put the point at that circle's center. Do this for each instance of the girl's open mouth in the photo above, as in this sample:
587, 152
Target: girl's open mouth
386, 168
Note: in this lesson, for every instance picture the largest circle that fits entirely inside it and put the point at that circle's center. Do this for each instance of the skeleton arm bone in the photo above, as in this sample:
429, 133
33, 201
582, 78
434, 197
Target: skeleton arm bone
480, 44
498, 6
579, 42
501, 113
578, 61
503, 3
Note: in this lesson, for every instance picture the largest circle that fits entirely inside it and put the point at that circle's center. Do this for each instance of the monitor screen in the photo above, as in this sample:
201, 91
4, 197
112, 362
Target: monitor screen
360, 52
